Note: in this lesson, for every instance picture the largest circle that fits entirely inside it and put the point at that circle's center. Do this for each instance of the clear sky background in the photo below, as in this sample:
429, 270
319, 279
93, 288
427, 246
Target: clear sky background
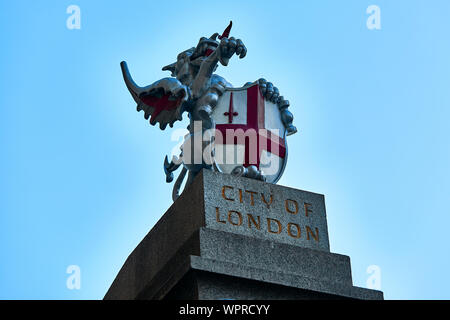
81, 171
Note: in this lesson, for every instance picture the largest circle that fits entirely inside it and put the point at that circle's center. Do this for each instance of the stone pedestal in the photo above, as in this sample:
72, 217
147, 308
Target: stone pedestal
238, 238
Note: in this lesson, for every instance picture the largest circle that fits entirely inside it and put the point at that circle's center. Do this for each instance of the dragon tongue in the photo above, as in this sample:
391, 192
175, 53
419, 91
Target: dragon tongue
226, 32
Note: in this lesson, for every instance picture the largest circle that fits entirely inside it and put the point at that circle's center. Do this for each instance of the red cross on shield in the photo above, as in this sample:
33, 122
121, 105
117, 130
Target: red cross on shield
249, 131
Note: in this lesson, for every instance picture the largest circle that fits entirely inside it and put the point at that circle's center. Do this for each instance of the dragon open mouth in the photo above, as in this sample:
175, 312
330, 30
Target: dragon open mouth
205, 48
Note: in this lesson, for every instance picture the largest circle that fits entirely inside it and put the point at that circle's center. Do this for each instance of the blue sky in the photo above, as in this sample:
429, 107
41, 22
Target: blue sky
81, 170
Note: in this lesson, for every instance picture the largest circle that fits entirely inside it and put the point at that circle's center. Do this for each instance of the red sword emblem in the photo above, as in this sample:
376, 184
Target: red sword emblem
231, 113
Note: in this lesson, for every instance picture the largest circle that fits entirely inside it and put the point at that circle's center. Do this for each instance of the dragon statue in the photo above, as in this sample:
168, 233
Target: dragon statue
194, 88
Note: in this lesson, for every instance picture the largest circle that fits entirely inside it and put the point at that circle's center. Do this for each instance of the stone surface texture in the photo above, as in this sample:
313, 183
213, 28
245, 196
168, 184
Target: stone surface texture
237, 238
296, 216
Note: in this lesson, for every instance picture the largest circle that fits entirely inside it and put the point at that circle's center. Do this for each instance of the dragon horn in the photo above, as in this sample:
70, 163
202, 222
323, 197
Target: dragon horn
226, 32
134, 89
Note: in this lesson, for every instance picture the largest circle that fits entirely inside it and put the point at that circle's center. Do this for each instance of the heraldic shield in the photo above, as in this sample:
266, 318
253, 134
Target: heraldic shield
249, 134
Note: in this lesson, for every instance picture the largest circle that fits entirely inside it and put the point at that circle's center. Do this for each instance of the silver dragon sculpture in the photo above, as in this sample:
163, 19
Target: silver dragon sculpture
194, 88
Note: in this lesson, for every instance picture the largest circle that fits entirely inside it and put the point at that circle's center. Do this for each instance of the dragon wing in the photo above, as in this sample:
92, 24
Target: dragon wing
162, 100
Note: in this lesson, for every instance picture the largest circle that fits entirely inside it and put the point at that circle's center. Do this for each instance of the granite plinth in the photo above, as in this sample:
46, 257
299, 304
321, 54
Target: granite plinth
237, 238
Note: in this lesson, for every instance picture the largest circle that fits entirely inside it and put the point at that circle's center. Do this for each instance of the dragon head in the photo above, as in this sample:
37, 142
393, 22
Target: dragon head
189, 61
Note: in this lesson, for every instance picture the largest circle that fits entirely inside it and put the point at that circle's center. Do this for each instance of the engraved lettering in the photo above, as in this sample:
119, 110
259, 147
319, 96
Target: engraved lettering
289, 207
269, 228
252, 200
224, 195
265, 201
309, 233
308, 210
239, 215
218, 216
296, 234
252, 220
